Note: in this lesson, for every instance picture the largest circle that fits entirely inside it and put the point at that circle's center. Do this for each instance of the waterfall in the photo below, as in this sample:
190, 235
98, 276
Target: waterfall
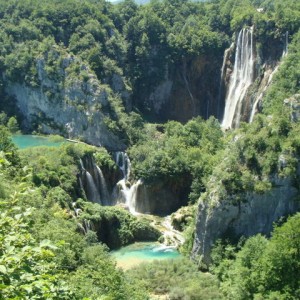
171, 235
123, 162
129, 194
188, 87
286, 44
103, 187
222, 78
126, 193
241, 78
92, 190
93, 182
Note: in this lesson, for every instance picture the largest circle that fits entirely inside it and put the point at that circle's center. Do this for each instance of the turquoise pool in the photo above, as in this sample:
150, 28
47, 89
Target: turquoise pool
137, 253
27, 141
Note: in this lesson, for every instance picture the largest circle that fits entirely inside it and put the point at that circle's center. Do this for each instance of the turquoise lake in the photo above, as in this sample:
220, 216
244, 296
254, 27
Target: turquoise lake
28, 141
137, 253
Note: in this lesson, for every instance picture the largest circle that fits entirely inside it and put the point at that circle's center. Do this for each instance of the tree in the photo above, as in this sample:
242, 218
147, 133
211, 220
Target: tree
27, 270
8, 147
12, 125
281, 260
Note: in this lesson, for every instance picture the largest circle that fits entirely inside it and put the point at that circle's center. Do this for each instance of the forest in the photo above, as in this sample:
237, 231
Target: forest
141, 90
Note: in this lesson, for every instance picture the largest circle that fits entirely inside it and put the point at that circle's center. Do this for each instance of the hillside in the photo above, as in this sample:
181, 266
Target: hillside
182, 120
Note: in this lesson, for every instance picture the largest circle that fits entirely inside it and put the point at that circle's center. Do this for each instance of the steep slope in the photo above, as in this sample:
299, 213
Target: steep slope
257, 182
78, 108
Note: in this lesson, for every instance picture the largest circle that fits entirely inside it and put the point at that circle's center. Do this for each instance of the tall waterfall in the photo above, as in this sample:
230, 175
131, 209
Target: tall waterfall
241, 79
92, 189
129, 194
103, 186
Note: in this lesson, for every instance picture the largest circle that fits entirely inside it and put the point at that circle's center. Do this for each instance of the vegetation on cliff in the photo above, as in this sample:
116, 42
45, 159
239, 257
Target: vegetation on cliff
262, 268
46, 250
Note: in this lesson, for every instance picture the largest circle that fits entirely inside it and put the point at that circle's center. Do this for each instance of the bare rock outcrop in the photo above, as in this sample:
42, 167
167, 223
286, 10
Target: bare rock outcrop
218, 218
69, 101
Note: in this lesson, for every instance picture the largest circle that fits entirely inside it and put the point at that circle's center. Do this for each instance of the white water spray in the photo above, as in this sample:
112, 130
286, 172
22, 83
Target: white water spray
286, 44
241, 78
102, 186
223, 73
127, 192
92, 190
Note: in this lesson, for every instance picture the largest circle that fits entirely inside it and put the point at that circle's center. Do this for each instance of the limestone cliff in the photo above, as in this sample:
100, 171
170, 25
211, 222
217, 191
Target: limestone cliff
160, 199
190, 88
218, 217
198, 85
69, 100
262, 66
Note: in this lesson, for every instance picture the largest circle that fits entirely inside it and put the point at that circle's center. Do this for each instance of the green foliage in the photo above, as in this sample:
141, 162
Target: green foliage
98, 276
181, 155
286, 81
128, 126
179, 278
116, 227
27, 268
8, 148
58, 261
3, 118
265, 269
255, 154
69, 42
53, 167
104, 159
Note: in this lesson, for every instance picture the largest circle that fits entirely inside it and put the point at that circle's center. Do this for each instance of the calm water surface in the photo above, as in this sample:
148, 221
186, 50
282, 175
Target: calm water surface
27, 141
137, 253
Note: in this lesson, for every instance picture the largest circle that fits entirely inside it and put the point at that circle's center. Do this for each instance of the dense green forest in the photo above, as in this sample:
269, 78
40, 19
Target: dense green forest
100, 61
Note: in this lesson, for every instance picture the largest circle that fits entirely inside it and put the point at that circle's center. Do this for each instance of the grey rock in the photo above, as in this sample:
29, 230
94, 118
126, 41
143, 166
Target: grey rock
69, 106
257, 213
294, 104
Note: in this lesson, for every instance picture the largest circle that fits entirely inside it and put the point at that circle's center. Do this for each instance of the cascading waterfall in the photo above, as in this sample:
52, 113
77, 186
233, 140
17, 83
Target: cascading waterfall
103, 187
127, 193
93, 182
123, 162
241, 78
92, 190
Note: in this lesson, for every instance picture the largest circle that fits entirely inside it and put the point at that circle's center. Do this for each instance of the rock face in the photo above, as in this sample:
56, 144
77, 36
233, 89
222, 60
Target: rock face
190, 88
219, 218
294, 104
75, 106
110, 230
198, 86
261, 68
160, 199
